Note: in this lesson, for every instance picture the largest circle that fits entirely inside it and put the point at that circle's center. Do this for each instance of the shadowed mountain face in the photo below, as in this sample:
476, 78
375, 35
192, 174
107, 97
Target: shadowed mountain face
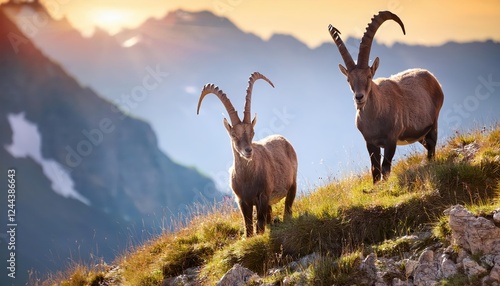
91, 180
311, 105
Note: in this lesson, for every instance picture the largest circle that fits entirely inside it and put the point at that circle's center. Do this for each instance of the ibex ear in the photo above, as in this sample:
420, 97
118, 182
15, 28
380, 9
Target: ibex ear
254, 121
375, 65
343, 70
227, 125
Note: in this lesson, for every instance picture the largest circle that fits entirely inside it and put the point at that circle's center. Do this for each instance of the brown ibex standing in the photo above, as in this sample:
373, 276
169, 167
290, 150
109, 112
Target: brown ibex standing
391, 111
263, 172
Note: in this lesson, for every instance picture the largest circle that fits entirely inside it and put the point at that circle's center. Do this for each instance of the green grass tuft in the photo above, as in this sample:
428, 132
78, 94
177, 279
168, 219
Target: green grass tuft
328, 270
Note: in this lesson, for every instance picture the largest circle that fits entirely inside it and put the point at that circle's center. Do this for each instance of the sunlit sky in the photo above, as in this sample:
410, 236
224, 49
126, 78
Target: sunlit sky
427, 22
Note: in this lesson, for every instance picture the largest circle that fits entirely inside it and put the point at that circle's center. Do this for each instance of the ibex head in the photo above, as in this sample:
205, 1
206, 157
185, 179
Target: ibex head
240, 132
360, 75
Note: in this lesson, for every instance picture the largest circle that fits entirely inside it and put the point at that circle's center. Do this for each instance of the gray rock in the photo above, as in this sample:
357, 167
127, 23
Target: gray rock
399, 282
495, 271
368, 267
410, 266
488, 260
180, 280
237, 276
496, 216
427, 256
448, 266
488, 281
308, 259
427, 271
276, 271
461, 255
472, 268
388, 269
188, 278
303, 262
474, 234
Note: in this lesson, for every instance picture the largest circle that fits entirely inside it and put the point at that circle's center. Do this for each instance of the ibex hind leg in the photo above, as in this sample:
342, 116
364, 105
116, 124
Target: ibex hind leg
290, 197
430, 142
269, 215
389, 151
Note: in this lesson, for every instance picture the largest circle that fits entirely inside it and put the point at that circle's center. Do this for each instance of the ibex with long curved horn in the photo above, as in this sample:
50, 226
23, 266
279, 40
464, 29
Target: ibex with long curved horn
263, 172
391, 111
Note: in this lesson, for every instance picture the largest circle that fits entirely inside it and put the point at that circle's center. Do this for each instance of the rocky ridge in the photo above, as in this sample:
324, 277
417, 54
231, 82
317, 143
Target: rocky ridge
474, 252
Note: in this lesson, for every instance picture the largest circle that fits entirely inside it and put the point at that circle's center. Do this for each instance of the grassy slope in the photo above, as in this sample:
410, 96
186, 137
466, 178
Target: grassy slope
346, 218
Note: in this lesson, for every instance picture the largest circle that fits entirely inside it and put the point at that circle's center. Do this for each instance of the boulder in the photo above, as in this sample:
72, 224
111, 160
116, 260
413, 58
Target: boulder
474, 234
237, 276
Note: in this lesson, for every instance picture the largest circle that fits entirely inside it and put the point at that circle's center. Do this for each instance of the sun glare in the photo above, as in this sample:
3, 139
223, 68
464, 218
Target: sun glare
111, 20
131, 42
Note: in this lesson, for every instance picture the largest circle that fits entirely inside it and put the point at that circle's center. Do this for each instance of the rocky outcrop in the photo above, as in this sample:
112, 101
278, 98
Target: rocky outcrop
237, 276
473, 255
474, 234
477, 258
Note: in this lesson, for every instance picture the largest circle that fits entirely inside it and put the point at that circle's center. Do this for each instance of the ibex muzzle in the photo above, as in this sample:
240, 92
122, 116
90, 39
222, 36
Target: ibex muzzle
241, 137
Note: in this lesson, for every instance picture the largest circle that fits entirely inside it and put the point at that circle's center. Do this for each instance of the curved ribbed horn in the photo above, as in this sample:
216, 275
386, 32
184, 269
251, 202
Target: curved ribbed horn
211, 88
349, 62
366, 42
248, 100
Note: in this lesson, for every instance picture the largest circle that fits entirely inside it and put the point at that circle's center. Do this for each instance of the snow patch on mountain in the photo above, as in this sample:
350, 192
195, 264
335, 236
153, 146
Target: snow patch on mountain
26, 142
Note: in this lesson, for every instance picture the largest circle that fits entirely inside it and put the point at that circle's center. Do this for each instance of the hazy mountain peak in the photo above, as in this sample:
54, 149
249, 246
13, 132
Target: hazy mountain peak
67, 142
100, 33
201, 18
34, 5
285, 39
27, 10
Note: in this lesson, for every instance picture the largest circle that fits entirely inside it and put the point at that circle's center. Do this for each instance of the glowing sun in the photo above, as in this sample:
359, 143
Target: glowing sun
112, 20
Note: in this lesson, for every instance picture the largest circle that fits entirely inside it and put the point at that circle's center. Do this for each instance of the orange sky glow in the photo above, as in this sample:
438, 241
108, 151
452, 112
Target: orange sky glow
427, 22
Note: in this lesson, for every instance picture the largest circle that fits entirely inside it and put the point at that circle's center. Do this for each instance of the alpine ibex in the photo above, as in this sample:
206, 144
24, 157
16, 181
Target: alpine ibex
263, 172
391, 111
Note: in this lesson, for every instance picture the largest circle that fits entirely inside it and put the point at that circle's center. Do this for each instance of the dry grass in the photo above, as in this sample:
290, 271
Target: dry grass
339, 220
77, 274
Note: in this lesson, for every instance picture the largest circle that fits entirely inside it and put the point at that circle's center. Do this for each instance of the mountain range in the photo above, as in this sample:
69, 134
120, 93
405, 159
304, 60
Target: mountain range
90, 181
150, 78
311, 104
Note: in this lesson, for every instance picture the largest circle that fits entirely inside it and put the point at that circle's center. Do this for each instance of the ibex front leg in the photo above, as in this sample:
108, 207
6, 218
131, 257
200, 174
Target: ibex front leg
389, 151
374, 152
263, 212
247, 212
